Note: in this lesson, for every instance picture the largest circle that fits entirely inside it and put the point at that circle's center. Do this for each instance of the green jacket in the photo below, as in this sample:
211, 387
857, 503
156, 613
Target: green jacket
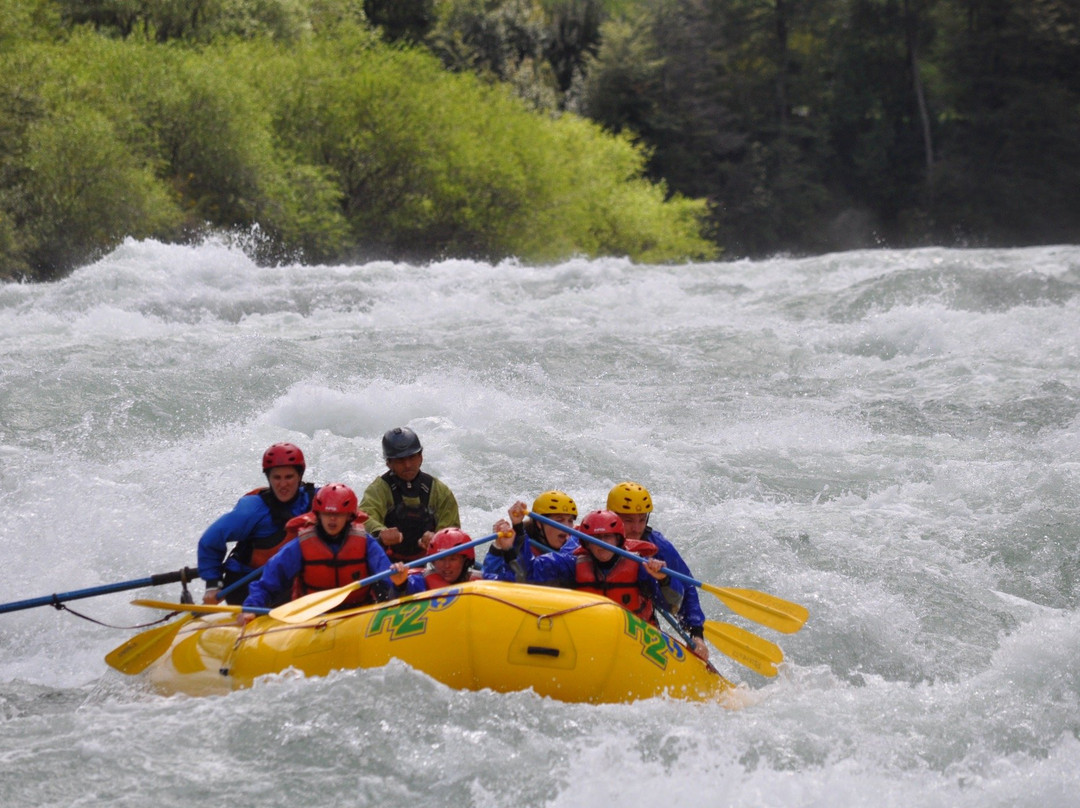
378, 501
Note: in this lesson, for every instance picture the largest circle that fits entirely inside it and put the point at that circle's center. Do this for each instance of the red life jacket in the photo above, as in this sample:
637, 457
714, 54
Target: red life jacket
620, 582
306, 520
323, 569
260, 555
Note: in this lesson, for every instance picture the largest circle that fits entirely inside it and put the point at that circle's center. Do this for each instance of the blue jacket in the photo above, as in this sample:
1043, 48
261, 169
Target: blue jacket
249, 519
496, 567
690, 615
275, 584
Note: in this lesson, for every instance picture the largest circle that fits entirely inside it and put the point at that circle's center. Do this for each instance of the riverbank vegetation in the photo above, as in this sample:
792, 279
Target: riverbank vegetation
665, 130
811, 125
335, 144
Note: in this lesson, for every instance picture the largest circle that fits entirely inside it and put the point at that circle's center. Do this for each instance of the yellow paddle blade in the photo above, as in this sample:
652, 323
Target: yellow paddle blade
747, 649
197, 608
768, 610
314, 605
140, 651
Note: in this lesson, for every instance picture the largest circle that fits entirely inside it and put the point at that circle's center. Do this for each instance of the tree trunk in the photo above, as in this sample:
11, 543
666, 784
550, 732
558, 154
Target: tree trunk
782, 62
911, 27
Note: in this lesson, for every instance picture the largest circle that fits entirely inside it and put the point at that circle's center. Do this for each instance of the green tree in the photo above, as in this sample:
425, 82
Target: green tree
334, 146
1010, 162
203, 20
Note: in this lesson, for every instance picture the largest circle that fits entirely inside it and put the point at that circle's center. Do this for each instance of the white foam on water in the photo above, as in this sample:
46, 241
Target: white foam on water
887, 437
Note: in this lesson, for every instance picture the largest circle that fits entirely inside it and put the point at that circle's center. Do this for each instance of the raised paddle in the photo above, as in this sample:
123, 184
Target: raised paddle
768, 610
186, 574
316, 604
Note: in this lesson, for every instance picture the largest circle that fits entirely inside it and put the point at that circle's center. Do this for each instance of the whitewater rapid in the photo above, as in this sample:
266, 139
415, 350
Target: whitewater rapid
886, 437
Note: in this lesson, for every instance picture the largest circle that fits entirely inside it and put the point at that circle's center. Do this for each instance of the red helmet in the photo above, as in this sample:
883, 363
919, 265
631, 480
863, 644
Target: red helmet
601, 523
451, 537
335, 498
284, 454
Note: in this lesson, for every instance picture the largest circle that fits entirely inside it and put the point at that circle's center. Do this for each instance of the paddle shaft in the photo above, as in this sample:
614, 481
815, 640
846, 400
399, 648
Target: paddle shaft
420, 562
196, 608
186, 574
687, 637
251, 576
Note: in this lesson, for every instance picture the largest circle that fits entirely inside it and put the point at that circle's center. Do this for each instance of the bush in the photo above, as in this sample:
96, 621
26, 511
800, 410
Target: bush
336, 146
433, 164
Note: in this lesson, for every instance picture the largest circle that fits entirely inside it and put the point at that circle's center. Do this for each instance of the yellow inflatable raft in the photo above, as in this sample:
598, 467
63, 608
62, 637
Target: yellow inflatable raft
571, 646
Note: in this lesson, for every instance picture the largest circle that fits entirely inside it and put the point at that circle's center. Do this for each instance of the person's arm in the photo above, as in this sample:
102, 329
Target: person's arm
376, 503
277, 577
690, 613
214, 543
378, 561
502, 565
496, 566
521, 546
662, 588
414, 584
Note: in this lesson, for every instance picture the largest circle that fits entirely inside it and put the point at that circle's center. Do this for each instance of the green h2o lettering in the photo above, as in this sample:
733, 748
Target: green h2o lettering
409, 619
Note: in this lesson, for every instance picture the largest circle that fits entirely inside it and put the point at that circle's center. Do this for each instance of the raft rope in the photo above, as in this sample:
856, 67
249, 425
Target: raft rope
60, 606
325, 621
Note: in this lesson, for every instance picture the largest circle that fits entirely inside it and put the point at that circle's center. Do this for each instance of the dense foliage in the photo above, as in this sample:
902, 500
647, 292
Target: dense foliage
660, 129
816, 124
334, 144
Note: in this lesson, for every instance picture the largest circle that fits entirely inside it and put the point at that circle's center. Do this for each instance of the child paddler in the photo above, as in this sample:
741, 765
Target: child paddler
331, 551
500, 565
456, 568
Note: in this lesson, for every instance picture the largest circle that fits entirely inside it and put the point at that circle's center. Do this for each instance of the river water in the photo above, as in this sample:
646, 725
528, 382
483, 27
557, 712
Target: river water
889, 438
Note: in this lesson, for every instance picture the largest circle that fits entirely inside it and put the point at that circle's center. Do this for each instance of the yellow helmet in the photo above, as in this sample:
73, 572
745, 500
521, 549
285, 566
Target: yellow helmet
629, 498
551, 502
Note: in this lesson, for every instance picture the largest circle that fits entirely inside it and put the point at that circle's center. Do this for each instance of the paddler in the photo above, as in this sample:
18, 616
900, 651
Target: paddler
256, 523
558, 506
405, 506
634, 585
456, 568
633, 503
332, 550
